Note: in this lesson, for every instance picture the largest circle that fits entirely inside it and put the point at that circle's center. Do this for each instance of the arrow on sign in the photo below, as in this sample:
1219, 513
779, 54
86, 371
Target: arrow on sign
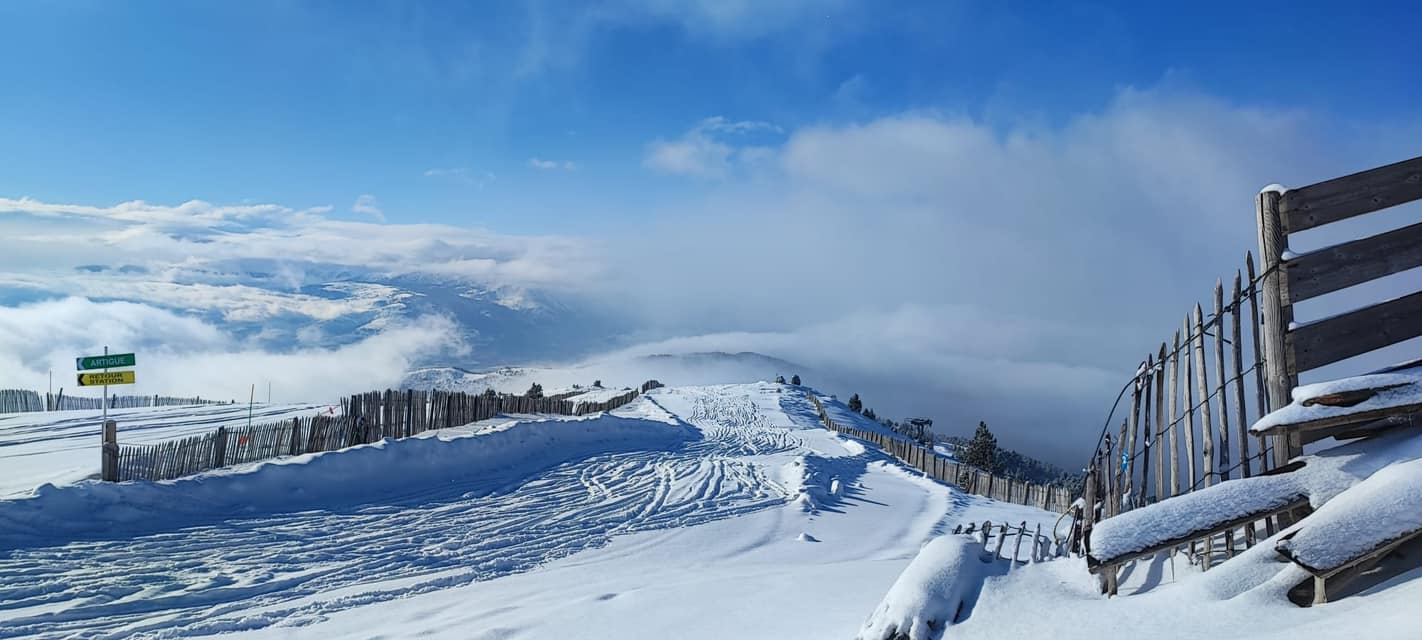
105, 378
105, 362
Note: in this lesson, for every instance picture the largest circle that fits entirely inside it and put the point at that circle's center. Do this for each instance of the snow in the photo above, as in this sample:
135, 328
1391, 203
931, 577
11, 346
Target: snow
1288, 255
1275, 188
642, 522
1385, 507
1396, 389
597, 395
1322, 477
929, 596
694, 512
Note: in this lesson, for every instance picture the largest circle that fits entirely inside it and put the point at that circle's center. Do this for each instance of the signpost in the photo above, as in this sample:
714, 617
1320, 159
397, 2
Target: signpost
109, 430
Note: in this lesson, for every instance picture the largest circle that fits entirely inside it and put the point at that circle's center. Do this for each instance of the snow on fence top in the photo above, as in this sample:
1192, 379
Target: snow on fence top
1347, 400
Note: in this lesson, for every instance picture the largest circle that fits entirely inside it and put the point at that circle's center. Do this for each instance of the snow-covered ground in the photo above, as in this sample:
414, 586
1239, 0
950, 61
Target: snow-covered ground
706, 512
693, 512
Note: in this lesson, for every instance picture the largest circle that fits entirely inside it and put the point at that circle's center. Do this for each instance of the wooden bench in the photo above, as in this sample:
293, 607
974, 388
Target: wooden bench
1176, 521
1382, 515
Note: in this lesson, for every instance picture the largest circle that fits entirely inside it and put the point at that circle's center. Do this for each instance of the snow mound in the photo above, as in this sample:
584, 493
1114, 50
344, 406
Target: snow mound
936, 591
50, 513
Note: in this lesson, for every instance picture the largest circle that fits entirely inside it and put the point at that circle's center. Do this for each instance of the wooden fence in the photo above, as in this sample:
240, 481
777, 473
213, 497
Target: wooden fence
1039, 547
1190, 405
1187, 414
365, 418
968, 478
24, 400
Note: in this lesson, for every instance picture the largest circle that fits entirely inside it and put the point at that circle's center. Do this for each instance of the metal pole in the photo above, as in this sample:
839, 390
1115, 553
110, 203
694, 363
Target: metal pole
106, 393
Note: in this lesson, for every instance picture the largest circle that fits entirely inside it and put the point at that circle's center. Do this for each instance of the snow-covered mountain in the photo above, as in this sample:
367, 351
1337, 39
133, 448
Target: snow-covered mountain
612, 371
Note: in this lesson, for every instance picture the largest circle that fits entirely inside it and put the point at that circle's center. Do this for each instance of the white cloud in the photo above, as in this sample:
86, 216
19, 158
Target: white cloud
704, 151
184, 356
548, 165
365, 203
462, 175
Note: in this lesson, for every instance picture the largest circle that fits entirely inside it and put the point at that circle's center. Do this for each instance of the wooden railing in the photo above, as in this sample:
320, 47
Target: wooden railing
1192, 401
970, 479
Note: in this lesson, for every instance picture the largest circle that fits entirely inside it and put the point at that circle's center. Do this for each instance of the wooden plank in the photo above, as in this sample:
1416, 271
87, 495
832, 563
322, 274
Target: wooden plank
1352, 195
1202, 387
1261, 398
1160, 426
1359, 331
1344, 265
1095, 565
1237, 298
1173, 435
1220, 391
1128, 449
1150, 433
1188, 423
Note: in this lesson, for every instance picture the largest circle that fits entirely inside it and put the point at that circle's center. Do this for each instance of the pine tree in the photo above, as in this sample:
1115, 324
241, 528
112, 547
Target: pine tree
981, 451
795, 379
489, 392
779, 379
869, 413
535, 391
855, 404
597, 384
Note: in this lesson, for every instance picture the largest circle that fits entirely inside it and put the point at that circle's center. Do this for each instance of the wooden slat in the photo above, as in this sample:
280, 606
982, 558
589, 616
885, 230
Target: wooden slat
1187, 424
1220, 392
1173, 432
1359, 331
1344, 265
1159, 429
1352, 195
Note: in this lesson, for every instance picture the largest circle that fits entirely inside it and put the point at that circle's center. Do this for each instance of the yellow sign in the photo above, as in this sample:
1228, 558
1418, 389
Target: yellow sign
106, 378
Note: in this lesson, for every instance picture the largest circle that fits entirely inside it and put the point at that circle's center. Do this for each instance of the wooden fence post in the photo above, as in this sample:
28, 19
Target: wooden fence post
1280, 371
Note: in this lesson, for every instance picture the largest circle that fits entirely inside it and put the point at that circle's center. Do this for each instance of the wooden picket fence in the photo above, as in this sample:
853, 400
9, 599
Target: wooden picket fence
24, 401
1040, 546
365, 418
970, 479
1192, 401
1187, 414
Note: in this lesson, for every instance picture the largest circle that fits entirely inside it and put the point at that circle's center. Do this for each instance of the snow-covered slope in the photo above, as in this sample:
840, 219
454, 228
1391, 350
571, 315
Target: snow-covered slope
705, 512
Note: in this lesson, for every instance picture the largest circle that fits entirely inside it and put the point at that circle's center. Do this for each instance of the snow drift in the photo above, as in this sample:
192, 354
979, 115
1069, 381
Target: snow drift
52, 513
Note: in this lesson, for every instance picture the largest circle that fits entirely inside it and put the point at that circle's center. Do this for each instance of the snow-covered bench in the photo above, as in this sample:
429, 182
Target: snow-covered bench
1174, 522
1350, 533
1350, 407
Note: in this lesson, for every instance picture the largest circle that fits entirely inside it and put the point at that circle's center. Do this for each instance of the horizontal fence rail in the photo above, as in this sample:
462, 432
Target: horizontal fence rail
969, 478
364, 418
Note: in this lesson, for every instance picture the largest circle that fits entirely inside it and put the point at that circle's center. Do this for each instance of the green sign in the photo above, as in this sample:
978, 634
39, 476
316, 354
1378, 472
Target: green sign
105, 362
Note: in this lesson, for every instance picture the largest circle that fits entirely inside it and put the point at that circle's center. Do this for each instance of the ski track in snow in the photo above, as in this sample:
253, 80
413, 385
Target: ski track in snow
255, 570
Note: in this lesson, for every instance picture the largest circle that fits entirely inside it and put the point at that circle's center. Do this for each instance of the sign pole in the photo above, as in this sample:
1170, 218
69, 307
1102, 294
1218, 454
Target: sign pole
106, 391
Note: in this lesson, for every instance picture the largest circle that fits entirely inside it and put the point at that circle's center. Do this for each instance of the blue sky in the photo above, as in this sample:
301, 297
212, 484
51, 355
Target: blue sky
311, 103
956, 204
